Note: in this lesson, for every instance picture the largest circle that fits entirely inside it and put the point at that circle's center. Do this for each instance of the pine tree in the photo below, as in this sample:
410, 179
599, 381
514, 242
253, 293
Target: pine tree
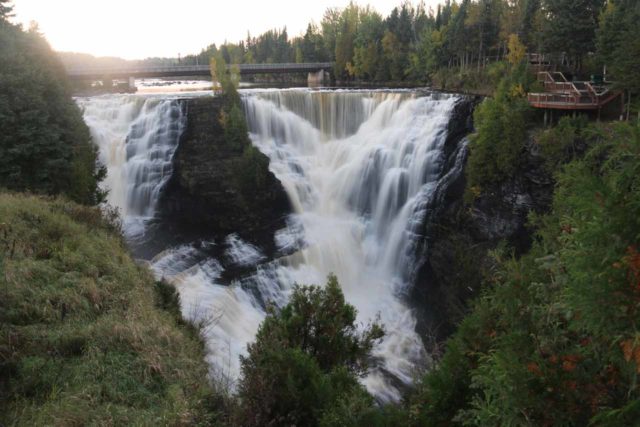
572, 27
618, 43
305, 361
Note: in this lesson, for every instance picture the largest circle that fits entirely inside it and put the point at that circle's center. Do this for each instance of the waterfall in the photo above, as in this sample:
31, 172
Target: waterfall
362, 170
137, 138
359, 168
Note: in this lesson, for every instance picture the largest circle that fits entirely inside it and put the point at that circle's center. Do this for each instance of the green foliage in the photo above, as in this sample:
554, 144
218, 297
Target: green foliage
419, 44
571, 27
45, 146
81, 340
445, 390
554, 339
618, 43
501, 130
235, 128
226, 79
303, 367
559, 144
252, 171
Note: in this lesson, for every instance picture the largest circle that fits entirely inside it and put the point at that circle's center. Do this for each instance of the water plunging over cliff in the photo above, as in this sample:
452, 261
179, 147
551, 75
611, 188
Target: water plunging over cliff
137, 138
358, 167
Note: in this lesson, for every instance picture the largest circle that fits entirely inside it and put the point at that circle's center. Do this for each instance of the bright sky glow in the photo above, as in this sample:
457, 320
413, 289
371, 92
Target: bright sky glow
135, 29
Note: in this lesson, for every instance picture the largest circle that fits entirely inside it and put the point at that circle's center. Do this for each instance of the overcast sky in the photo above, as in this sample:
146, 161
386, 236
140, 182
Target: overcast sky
142, 28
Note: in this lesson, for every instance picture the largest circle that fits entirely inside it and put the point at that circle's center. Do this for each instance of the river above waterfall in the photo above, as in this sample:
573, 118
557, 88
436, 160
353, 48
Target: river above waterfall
358, 166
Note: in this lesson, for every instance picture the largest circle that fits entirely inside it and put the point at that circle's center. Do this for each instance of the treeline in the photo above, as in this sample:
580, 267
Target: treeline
45, 146
415, 43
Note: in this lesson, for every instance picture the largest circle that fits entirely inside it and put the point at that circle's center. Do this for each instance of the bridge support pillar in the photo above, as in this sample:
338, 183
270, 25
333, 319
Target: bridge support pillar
132, 84
320, 78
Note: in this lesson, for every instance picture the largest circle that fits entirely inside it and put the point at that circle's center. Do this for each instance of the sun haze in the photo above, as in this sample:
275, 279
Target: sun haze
148, 28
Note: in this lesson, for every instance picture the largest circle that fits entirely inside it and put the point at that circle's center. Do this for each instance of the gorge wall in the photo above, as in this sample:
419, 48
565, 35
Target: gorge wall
459, 235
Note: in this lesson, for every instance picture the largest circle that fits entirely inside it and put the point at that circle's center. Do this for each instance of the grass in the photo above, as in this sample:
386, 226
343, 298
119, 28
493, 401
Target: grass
87, 337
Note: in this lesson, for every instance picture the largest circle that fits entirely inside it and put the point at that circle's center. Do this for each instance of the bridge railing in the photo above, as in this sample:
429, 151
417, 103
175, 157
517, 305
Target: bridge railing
176, 69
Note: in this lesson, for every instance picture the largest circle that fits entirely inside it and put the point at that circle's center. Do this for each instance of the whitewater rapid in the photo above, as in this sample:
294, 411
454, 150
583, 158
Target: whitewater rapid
359, 168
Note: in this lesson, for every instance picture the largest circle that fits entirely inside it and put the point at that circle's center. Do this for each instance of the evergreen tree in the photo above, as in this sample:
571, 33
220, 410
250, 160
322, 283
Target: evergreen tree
348, 25
303, 367
619, 45
527, 27
572, 27
45, 146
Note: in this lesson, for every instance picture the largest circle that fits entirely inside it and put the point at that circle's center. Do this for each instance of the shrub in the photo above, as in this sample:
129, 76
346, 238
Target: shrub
235, 128
305, 362
559, 144
252, 172
497, 146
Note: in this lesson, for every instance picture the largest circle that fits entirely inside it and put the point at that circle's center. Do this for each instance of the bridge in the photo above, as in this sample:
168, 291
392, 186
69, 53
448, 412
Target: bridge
99, 73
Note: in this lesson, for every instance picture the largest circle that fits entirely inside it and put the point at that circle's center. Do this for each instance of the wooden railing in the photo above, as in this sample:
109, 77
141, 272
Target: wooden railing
561, 93
551, 83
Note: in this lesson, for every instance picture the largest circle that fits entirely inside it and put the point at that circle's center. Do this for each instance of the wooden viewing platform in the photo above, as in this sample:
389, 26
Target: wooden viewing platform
561, 94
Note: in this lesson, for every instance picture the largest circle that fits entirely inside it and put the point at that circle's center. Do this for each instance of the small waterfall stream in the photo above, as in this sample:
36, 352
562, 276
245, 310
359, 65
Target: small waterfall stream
137, 138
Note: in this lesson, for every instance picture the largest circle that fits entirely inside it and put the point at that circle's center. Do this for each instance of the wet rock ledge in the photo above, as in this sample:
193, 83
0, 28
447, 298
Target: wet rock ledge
202, 198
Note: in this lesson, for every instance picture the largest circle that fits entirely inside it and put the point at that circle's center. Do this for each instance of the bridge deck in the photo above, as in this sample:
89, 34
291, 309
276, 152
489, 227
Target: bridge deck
193, 70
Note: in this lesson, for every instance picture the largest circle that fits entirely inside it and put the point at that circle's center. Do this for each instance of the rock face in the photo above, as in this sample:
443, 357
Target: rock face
202, 197
457, 236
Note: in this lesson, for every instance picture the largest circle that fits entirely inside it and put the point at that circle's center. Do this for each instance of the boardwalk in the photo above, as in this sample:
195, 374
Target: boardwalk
561, 94
191, 70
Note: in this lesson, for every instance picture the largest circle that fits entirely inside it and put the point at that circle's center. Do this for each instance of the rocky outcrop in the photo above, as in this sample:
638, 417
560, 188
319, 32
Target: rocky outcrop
457, 237
202, 198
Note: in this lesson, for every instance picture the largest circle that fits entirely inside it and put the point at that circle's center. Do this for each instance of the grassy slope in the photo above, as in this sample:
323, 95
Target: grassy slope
84, 338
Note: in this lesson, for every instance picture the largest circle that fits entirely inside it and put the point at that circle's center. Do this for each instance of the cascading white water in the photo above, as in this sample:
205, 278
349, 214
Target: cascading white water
358, 167
137, 138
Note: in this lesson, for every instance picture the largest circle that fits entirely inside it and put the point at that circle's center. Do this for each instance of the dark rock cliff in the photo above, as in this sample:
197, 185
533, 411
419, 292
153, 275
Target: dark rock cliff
457, 237
202, 198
